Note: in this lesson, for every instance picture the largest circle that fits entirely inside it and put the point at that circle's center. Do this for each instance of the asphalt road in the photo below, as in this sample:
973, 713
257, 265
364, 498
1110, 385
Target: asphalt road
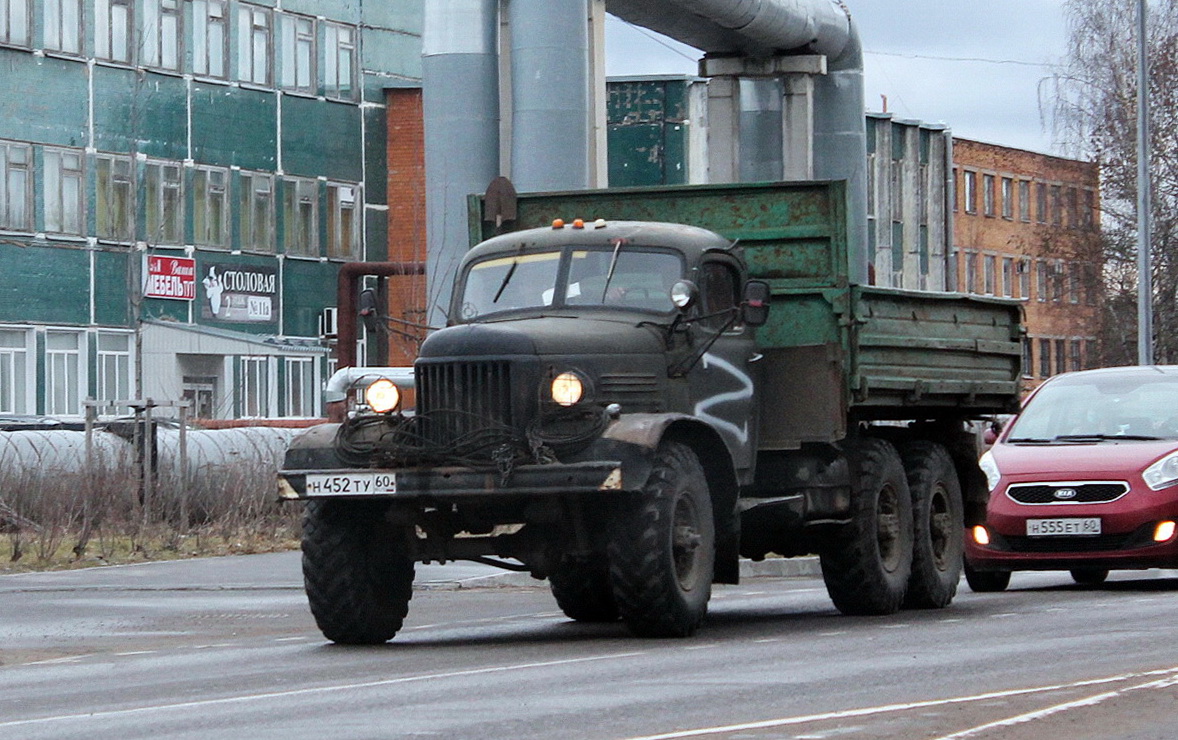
225, 648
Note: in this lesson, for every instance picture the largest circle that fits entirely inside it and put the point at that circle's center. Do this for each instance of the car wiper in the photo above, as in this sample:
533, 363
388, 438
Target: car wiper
1029, 441
1104, 437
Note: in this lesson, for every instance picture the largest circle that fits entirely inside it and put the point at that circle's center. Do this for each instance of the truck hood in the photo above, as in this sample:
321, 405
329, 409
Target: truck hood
548, 335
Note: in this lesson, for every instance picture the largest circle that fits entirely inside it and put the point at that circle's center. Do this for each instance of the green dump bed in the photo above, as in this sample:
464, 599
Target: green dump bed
834, 353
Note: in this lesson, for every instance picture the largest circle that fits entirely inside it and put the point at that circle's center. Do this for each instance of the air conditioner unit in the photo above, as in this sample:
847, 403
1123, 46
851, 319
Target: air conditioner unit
329, 323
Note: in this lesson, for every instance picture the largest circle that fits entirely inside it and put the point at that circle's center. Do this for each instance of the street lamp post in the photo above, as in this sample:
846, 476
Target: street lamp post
1144, 226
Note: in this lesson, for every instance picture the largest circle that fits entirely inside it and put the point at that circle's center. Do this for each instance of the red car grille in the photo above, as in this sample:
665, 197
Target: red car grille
1067, 493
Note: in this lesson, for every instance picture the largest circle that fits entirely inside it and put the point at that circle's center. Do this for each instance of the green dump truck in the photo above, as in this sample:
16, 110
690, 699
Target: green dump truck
629, 404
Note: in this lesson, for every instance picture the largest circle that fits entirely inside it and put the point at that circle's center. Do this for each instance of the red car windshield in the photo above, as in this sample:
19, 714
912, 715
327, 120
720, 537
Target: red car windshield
1097, 406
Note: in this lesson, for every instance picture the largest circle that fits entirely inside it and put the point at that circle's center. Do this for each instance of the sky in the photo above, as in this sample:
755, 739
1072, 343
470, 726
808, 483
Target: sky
982, 68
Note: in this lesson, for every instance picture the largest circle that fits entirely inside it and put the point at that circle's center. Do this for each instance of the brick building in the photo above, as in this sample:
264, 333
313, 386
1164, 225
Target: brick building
1026, 226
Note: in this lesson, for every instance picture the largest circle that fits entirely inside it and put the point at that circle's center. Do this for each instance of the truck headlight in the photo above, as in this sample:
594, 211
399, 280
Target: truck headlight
382, 396
567, 388
1162, 473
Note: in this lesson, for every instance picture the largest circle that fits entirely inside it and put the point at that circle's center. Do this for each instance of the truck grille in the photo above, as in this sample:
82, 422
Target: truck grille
636, 392
1067, 493
460, 399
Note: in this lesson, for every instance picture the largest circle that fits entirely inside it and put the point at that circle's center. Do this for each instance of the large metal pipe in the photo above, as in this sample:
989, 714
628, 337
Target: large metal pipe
460, 98
550, 94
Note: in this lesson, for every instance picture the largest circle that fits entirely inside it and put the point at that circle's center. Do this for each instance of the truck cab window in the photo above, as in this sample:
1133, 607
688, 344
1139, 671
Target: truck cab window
720, 286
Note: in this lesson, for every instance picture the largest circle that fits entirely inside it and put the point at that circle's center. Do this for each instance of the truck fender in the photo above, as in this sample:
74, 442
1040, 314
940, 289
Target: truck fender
314, 449
648, 430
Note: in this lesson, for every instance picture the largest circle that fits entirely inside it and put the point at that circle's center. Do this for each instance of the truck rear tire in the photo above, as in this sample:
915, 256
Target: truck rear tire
583, 591
357, 570
938, 527
662, 548
867, 563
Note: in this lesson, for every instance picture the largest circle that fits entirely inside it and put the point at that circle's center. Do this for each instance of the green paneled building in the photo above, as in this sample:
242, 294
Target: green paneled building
195, 170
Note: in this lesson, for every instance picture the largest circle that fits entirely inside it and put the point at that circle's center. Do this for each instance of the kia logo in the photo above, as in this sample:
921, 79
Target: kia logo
1065, 494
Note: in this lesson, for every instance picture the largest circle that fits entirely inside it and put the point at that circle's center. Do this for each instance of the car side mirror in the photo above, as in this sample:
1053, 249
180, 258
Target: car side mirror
368, 310
990, 436
756, 302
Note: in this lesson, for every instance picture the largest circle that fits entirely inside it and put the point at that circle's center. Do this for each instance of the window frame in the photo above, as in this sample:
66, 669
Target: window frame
298, 47
7, 14
335, 52
106, 27
57, 195
988, 195
158, 15
107, 195
970, 188
253, 387
64, 367
1024, 201
163, 214
295, 192
205, 214
55, 18
247, 205
123, 361
1008, 198
255, 44
336, 210
301, 397
203, 42
17, 393
8, 218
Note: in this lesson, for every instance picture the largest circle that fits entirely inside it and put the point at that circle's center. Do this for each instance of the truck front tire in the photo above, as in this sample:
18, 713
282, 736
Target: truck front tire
867, 563
582, 590
662, 548
357, 570
938, 526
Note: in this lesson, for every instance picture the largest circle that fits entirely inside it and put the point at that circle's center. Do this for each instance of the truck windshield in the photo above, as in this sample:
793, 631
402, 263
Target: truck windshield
609, 276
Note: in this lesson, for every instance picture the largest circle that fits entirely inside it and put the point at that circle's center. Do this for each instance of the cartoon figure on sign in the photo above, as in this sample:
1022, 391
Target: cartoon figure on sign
213, 288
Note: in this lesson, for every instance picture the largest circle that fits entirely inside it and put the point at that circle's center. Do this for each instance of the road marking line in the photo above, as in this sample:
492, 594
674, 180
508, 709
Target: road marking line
1171, 675
1090, 701
316, 690
136, 652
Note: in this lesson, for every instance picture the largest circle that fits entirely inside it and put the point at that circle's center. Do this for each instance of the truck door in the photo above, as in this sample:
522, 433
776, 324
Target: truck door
723, 386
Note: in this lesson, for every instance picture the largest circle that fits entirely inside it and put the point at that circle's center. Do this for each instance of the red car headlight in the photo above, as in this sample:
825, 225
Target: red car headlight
1162, 473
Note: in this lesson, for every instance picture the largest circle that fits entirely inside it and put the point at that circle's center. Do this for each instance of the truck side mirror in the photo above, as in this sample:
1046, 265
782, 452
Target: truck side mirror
756, 302
684, 294
368, 310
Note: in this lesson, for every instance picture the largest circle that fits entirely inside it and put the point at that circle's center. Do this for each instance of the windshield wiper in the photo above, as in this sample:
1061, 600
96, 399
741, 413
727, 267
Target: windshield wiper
506, 280
613, 265
1104, 437
1029, 441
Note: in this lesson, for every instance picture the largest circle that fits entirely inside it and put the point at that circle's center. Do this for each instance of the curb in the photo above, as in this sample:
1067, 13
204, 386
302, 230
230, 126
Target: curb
805, 567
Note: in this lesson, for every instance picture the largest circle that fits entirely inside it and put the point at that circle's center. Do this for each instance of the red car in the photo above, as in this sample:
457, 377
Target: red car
1084, 479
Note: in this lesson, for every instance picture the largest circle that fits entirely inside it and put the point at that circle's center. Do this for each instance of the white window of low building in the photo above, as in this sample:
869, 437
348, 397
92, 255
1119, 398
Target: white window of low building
14, 371
301, 388
64, 380
253, 387
114, 369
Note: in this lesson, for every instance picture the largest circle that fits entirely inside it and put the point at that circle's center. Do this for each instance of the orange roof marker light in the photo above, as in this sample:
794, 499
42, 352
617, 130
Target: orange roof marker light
578, 224
558, 223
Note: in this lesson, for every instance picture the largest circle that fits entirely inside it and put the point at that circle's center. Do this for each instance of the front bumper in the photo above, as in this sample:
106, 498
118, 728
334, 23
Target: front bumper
443, 483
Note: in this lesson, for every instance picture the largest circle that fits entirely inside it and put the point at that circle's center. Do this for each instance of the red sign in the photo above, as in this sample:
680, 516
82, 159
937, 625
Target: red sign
173, 278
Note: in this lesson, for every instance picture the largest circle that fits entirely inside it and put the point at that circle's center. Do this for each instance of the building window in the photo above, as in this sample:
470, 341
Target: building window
113, 30
1056, 205
165, 203
1007, 198
1008, 276
1088, 216
1024, 201
62, 382
1074, 276
1075, 358
114, 369
161, 34
1028, 359
1073, 205
971, 272
971, 192
16, 187
14, 22
1058, 281
343, 232
210, 207
1041, 202
64, 213
14, 362
1041, 283
300, 211
953, 190
210, 38
989, 274
1044, 358
253, 45
300, 387
988, 195
298, 53
256, 212
63, 26
253, 387
114, 198
339, 73
1061, 357
1024, 278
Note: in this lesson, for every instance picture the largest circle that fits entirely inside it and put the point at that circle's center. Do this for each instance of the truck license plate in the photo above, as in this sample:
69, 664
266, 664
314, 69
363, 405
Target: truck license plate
350, 484
1069, 527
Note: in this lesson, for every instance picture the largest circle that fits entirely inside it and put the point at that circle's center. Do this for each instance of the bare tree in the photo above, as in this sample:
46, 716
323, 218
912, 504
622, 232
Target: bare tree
1096, 118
